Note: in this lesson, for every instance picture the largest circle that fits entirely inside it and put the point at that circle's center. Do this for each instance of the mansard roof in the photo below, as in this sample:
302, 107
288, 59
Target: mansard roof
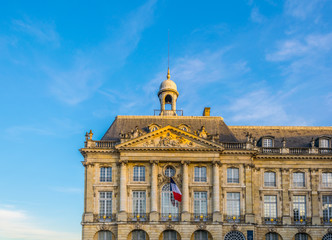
294, 136
213, 125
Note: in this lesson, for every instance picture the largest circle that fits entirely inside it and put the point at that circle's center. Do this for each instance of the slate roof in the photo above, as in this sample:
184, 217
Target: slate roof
213, 125
294, 136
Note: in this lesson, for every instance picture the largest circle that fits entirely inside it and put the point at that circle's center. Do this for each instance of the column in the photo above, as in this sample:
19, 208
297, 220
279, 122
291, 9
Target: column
122, 216
185, 193
315, 197
248, 181
88, 192
154, 216
216, 193
286, 198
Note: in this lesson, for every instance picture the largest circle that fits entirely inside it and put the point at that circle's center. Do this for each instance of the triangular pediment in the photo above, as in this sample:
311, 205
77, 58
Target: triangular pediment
169, 138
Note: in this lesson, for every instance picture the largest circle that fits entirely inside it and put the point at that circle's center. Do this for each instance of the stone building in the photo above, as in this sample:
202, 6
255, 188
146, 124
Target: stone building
237, 182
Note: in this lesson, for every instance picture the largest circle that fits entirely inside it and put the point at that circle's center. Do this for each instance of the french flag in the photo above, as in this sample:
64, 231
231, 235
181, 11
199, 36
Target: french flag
176, 191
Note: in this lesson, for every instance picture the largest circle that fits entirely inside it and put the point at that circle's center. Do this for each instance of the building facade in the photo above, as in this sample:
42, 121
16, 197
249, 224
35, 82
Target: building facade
237, 182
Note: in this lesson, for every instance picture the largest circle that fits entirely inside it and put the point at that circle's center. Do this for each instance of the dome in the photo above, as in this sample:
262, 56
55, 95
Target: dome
168, 85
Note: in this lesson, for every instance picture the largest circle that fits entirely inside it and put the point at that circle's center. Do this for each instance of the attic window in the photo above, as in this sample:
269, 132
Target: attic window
324, 143
184, 127
267, 142
153, 127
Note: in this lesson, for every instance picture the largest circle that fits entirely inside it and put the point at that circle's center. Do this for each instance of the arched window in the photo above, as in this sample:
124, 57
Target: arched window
235, 235
169, 206
201, 235
301, 236
271, 236
327, 236
138, 235
104, 235
170, 235
169, 171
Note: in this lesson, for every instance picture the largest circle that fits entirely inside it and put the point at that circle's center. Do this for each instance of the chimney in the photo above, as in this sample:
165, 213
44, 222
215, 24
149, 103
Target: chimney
206, 112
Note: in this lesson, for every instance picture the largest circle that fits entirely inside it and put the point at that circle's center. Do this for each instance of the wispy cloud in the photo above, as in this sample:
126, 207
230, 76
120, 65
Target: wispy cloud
89, 68
256, 16
301, 9
42, 31
68, 190
21, 225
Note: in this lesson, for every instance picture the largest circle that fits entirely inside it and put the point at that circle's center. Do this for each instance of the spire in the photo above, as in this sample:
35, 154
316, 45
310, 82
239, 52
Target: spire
168, 74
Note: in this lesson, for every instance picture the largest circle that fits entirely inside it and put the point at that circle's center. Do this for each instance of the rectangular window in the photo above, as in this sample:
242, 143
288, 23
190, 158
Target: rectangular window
200, 174
139, 203
200, 204
324, 143
267, 142
233, 175
233, 205
299, 208
298, 179
106, 174
270, 179
139, 174
270, 208
105, 204
327, 208
327, 179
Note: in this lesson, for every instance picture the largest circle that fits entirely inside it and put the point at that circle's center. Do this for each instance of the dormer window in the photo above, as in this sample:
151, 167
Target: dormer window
184, 127
153, 127
324, 143
267, 142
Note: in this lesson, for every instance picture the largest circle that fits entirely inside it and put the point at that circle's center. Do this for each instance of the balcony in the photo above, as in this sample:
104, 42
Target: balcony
303, 220
270, 150
138, 217
271, 221
234, 145
104, 217
173, 217
100, 144
234, 218
325, 150
299, 151
326, 221
204, 217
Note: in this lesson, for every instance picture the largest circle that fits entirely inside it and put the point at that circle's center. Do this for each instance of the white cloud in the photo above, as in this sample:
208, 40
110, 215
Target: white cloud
42, 31
90, 68
21, 225
67, 189
310, 44
256, 16
301, 9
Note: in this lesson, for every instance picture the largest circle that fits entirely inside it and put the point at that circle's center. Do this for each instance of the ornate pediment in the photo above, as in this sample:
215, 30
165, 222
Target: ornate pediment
169, 138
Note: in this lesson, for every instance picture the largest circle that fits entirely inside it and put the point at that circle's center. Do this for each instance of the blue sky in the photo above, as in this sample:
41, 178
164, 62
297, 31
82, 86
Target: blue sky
68, 67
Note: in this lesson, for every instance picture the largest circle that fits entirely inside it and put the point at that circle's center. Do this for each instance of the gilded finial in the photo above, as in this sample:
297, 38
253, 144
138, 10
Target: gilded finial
168, 74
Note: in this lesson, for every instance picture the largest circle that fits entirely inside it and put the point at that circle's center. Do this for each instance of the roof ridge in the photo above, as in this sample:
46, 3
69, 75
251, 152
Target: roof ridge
284, 127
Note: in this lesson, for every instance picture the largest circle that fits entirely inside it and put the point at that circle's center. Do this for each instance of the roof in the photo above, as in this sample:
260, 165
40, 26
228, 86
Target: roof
294, 136
213, 125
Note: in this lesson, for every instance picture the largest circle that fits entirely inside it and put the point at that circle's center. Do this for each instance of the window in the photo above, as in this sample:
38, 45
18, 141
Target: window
327, 208
138, 235
271, 236
327, 179
105, 205
324, 143
139, 173
169, 206
170, 235
139, 204
299, 209
233, 206
270, 209
298, 179
234, 235
169, 171
106, 174
201, 235
267, 142
200, 205
327, 236
200, 174
301, 236
270, 179
233, 175
104, 235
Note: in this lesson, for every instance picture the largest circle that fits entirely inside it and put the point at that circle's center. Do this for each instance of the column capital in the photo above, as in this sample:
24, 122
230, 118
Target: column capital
185, 162
122, 162
216, 163
154, 162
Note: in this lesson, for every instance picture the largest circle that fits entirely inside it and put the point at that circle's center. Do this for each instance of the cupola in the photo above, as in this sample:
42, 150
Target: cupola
168, 95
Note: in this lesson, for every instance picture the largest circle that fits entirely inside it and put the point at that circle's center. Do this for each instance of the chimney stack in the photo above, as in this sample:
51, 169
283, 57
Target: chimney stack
206, 112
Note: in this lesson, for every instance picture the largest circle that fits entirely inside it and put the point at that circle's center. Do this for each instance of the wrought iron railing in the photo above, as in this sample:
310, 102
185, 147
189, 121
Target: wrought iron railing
201, 217
271, 221
138, 217
174, 217
109, 217
234, 218
326, 220
301, 220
